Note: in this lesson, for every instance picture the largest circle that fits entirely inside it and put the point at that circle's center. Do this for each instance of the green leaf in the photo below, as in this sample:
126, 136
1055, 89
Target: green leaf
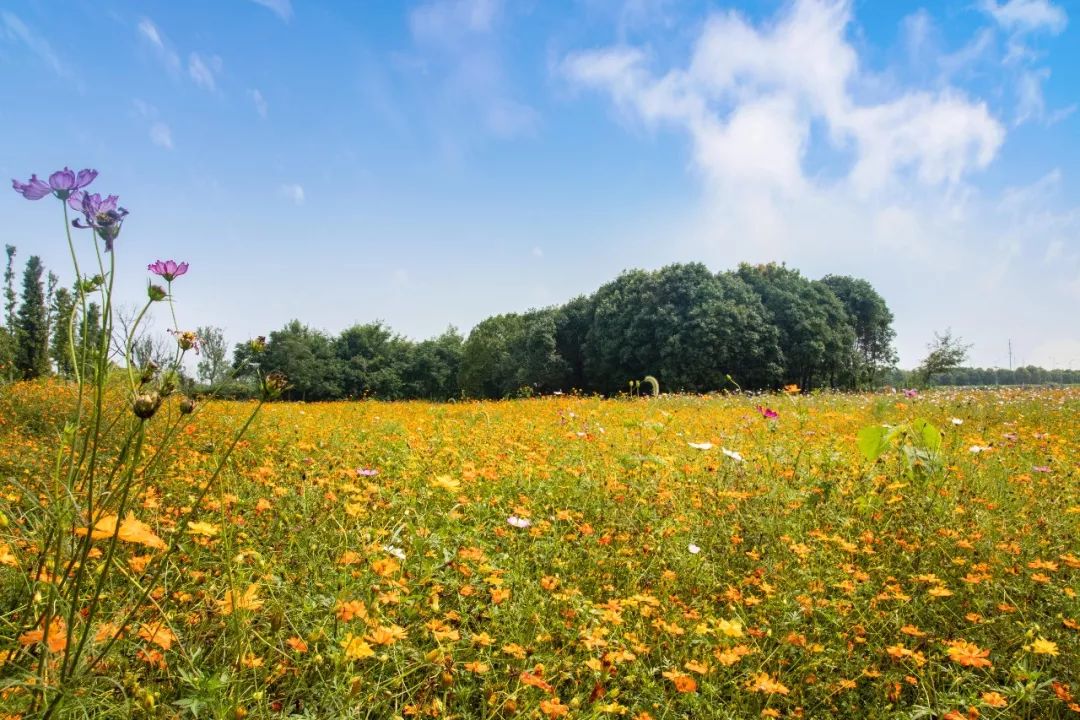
874, 440
928, 434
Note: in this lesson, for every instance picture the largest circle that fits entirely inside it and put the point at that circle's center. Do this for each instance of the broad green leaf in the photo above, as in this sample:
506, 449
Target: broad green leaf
928, 434
874, 440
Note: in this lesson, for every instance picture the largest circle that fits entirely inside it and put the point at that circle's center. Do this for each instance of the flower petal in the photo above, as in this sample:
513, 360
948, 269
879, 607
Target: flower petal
62, 180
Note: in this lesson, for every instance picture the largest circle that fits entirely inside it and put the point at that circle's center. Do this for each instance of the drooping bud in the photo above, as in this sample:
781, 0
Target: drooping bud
156, 292
146, 404
187, 405
149, 371
273, 385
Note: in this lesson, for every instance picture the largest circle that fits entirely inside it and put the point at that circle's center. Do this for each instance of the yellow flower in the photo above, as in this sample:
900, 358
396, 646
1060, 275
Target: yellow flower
1042, 646
356, 648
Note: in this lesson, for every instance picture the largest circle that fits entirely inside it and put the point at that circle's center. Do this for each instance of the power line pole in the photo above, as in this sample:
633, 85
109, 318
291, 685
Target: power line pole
1010, 354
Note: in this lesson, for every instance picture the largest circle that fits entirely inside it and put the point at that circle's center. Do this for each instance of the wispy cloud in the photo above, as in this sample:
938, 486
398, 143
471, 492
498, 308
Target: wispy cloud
259, 101
458, 40
773, 83
161, 135
293, 192
763, 104
1027, 15
282, 8
202, 72
152, 35
15, 30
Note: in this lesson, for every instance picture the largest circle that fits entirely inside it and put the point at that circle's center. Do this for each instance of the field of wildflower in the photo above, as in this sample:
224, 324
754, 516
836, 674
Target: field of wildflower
671, 557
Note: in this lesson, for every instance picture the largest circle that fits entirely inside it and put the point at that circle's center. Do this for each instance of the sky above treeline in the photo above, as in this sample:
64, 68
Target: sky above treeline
435, 163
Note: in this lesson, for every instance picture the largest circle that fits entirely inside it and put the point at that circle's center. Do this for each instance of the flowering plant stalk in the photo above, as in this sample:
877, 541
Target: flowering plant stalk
66, 535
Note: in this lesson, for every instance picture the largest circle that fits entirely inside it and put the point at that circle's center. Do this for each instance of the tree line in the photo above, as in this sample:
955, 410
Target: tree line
756, 327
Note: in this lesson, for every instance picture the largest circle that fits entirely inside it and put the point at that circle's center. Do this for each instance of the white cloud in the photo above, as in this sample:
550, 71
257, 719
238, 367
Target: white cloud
281, 8
202, 71
14, 29
1027, 15
1030, 104
459, 46
293, 192
168, 57
749, 97
259, 102
161, 135
447, 22
765, 105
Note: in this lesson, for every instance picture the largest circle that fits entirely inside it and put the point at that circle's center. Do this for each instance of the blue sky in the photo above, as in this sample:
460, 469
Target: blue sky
434, 163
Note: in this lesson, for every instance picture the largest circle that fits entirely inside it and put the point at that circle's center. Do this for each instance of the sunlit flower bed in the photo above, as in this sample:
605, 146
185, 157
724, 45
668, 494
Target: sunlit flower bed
583, 558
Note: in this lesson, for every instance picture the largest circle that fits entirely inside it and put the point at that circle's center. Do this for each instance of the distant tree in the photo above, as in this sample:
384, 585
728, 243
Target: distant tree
213, 364
872, 322
32, 324
9, 344
487, 369
945, 353
90, 332
816, 334
307, 359
572, 323
9, 289
432, 367
373, 360
63, 306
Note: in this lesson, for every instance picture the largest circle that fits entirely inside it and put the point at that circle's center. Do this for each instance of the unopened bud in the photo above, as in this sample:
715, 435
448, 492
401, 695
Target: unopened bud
156, 293
187, 405
146, 404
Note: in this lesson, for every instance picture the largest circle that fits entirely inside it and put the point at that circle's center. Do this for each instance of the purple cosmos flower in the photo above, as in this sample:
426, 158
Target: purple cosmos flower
64, 184
911, 393
767, 412
102, 216
168, 269
366, 472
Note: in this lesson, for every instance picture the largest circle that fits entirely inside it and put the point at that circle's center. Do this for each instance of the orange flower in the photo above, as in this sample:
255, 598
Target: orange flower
968, 654
535, 680
683, 682
160, 635
131, 531
387, 634
356, 648
762, 683
249, 600
553, 708
994, 699
297, 644
57, 636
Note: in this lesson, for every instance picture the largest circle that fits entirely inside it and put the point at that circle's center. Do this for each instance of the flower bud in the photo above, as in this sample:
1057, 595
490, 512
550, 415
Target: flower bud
156, 293
258, 345
187, 405
149, 371
146, 404
273, 385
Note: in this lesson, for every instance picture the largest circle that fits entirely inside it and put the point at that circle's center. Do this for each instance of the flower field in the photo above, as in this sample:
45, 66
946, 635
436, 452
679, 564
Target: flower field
703, 557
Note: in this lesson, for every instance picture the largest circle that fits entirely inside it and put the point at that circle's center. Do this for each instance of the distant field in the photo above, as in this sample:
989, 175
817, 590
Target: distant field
586, 558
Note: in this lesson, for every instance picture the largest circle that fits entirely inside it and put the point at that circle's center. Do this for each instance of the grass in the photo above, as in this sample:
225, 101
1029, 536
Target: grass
579, 558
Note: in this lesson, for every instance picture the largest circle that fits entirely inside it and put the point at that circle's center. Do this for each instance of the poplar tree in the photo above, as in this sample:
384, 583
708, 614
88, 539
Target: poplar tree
32, 324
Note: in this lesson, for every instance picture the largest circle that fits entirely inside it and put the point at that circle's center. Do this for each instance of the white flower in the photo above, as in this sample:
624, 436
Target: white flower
701, 446
519, 522
694, 549
977, 449
957, 421
732, 454
395, 551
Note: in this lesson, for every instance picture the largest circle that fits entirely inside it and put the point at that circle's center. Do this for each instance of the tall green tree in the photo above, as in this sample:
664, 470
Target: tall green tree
63, 306
944, 353
307, 358
433, 365
32, 324
8, 339
816, 333
872, 322
213, 364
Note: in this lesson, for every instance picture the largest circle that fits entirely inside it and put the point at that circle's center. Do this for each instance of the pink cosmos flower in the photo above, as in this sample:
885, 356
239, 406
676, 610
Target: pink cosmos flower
168, 269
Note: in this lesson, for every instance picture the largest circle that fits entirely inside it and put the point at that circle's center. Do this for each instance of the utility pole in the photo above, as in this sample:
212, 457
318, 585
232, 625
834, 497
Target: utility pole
1010, 354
